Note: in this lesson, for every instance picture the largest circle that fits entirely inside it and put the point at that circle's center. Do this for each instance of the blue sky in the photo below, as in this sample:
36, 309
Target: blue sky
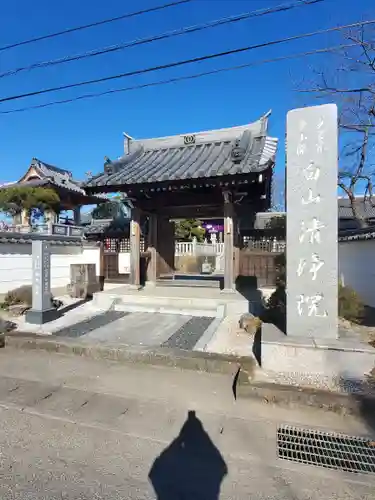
77, 136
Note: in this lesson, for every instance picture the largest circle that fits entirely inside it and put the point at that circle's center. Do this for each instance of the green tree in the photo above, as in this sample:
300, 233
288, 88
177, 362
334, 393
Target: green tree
186, 229
277, 222
32, 199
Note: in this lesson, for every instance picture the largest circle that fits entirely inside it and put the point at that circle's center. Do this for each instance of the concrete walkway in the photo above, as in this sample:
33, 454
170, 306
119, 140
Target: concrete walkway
77, 428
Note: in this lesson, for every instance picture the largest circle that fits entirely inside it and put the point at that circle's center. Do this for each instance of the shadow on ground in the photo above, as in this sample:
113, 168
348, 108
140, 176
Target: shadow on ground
247, 286
191, 467
362, 395
71, 307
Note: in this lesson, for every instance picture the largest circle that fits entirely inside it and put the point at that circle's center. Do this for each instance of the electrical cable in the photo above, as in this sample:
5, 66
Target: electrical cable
169, 34
186, 61
92, 25
181, 78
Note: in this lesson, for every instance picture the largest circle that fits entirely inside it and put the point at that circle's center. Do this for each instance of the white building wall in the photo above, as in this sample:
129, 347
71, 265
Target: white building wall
16, 264
356, 265
356, 268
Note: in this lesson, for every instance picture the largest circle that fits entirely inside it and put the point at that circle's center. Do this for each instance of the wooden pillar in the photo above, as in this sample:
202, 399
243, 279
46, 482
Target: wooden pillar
165, 246
229, 231
237, 242
152, 249
135, 254
77, 215
101, 266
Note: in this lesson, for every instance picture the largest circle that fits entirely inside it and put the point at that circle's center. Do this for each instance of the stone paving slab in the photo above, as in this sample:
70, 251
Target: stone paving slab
85, 327
99, 326
189, 334
139, 329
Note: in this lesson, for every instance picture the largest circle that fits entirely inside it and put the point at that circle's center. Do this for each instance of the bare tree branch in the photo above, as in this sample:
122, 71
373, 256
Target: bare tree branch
351, 84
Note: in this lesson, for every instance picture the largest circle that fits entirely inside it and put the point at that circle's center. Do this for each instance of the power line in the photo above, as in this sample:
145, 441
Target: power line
186, 61
169, 34
181, 78
93, 25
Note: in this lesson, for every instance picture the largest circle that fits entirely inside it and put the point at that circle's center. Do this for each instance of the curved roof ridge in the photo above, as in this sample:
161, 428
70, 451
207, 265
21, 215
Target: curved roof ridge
258, 127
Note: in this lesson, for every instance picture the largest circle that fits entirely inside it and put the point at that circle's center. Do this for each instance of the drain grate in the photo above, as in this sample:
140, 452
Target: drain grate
330, 450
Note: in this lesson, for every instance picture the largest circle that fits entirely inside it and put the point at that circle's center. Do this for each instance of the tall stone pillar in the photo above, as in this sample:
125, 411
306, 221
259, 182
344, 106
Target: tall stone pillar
229, 238
135, 254
312, 249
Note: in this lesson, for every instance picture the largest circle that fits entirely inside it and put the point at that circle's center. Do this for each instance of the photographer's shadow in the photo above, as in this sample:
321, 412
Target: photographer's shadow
191, 467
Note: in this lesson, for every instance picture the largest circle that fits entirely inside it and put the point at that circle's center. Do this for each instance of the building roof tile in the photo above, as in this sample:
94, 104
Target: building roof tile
236, 150
55, 175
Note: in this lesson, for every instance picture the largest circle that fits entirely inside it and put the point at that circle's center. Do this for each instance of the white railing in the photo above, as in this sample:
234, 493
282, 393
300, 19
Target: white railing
194, 248
55, 229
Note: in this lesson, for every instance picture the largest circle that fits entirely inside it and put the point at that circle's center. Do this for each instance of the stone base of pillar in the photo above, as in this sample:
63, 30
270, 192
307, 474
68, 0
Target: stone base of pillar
150, 284
41, 317
330, 363
135, 287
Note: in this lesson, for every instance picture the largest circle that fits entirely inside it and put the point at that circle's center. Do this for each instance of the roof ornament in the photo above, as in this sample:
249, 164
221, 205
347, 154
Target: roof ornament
108, 169
240, 147
113, 167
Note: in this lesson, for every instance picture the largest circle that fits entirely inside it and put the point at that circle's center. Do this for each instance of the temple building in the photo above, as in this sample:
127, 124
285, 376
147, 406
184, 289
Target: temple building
218, 174
71, 193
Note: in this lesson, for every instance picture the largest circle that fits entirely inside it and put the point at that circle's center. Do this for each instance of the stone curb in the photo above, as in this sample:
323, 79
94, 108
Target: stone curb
178, 358
242, 369
360, 404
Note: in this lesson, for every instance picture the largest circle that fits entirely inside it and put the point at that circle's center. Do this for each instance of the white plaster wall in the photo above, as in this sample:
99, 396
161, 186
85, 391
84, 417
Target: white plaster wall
357, 269
16, 264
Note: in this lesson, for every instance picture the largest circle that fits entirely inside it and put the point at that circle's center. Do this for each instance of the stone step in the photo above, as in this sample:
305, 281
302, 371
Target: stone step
189, 283
186, 311
157, 304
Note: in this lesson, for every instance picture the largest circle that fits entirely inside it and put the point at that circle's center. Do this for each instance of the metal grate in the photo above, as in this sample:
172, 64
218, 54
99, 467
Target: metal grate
330, 450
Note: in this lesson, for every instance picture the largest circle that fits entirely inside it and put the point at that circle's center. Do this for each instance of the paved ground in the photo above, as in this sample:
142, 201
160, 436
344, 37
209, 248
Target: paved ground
74, 428
94, 326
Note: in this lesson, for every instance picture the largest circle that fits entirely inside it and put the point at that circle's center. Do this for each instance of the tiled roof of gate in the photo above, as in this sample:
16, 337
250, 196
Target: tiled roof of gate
237, 150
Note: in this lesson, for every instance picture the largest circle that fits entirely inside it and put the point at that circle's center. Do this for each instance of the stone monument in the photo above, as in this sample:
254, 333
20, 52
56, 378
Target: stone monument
311, 353
83, 281
312, 222
42, 310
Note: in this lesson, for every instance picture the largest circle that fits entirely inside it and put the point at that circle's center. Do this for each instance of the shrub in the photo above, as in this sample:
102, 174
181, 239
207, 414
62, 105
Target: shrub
23, 295
20, 295
280, 264
275, 311
351, 307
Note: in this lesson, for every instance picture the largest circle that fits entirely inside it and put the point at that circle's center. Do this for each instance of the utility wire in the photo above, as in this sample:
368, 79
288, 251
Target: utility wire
186, 61
93, 25
181, 78
169, 34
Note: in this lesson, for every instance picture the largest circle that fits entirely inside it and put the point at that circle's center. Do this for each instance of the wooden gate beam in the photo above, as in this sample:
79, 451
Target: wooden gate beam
229, 235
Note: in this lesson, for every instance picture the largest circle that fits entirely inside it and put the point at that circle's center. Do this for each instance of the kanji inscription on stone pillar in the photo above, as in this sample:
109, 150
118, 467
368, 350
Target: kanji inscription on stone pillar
312, 168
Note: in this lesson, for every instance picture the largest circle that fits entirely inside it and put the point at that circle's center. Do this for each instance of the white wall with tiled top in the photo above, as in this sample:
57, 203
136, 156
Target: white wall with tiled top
356, 268
356, 265
16, 264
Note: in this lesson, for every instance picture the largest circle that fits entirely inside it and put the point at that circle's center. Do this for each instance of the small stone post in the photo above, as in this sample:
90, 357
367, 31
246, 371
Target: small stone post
42, 310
